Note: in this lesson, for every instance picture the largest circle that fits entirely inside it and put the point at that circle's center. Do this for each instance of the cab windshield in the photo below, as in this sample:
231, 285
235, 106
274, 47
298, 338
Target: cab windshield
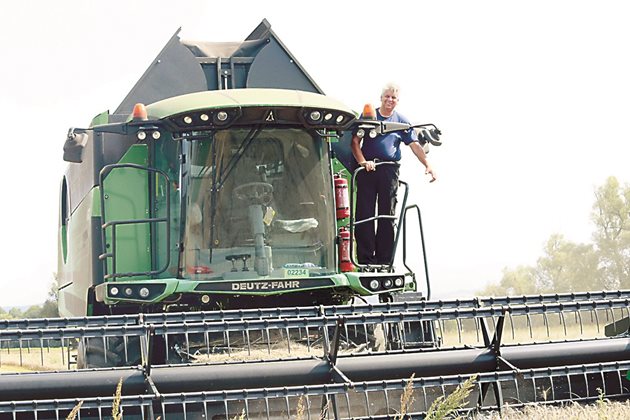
258, 205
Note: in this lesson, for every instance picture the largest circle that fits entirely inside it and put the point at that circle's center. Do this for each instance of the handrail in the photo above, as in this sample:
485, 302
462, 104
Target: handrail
424, 250
353, 222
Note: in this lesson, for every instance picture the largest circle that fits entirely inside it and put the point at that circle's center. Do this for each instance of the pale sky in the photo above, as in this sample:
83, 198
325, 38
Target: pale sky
532, 98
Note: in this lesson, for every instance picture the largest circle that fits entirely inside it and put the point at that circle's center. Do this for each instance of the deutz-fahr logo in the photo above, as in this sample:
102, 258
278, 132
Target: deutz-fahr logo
266, 285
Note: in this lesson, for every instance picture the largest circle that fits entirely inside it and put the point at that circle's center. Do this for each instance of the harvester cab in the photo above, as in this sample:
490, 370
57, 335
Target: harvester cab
218, 183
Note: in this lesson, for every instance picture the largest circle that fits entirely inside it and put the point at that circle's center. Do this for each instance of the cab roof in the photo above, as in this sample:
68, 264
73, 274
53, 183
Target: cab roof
244, 98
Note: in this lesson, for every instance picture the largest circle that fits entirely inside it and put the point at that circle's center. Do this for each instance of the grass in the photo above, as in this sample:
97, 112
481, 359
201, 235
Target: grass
116, 410
33, 359
517, 330
75, 411
406, 399
607, 410
278, 351
447, 407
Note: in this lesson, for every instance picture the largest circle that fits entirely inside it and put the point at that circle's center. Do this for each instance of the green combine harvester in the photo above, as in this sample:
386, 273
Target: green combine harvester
206, 265
220, 182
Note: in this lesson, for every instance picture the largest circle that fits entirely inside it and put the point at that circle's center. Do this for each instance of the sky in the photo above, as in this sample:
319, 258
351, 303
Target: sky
532, 99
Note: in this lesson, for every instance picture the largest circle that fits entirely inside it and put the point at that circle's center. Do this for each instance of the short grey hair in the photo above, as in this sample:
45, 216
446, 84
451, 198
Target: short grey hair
392, 87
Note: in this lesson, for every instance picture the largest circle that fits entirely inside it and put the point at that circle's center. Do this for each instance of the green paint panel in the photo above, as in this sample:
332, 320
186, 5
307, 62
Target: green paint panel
243, 98
355, 283
127, 198
100, 119
174, 286
64, 242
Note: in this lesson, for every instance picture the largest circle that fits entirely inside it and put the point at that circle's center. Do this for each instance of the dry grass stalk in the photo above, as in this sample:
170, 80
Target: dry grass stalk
601, 405
300, 409
443, 408
324, 412
406, 399
75, 411
116, 409
240, 417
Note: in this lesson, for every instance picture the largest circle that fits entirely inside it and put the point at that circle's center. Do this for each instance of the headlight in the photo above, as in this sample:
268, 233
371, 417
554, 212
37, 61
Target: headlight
388, 283
399, 282
113, 291
315, 116
374, 284
144, 292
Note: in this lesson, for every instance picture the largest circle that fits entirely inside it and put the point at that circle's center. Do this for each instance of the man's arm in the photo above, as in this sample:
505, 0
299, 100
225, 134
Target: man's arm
355, 146
422, 157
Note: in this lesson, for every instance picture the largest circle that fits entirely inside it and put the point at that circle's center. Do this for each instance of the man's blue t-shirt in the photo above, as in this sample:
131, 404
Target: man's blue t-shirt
386, 147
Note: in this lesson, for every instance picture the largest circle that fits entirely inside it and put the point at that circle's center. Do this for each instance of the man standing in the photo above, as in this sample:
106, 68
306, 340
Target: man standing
381, 186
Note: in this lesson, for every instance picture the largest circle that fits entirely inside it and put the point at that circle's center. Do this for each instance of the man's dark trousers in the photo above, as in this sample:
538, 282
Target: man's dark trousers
376, 187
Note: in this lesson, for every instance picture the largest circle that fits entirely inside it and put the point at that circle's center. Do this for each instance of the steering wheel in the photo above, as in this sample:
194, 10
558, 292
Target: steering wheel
257, 192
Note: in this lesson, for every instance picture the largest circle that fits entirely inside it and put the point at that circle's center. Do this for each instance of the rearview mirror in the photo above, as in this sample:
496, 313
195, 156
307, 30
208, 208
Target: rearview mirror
73, 147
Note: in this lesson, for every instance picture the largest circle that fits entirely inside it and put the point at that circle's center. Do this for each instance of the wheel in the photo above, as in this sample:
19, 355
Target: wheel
255, 192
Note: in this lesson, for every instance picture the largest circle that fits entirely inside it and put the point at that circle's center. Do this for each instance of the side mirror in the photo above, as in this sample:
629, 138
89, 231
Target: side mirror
430, 136
74, 145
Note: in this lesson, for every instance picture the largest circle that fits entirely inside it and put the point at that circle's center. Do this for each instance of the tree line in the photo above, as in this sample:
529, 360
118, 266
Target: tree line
566, 266
48, 309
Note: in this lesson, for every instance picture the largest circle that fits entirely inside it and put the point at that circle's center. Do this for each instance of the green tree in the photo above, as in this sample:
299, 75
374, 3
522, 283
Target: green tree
520, 281
50, 308
33, 311
611, 215
567, 267
15, 313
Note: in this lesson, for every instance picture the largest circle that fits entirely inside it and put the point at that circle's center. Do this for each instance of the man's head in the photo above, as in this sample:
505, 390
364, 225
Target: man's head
389, 99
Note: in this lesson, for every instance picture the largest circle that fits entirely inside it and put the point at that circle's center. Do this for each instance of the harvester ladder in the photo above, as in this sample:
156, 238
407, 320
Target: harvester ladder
400, 226
113, 224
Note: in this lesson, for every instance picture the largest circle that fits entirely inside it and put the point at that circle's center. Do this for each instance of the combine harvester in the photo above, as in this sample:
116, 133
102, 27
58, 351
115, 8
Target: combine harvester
206, 261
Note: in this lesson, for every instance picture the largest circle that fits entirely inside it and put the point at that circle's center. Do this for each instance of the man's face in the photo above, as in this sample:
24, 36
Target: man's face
389, 100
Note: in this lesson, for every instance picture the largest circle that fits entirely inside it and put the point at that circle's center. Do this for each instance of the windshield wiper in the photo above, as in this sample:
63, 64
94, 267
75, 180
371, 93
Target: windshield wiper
223, 175
247, 141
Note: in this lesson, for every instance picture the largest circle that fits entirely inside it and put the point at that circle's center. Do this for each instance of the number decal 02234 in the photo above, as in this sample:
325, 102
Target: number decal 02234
295, 273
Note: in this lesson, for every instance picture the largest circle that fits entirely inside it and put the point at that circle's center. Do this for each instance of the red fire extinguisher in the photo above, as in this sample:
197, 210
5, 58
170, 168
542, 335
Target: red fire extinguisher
342, 201
344, 250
